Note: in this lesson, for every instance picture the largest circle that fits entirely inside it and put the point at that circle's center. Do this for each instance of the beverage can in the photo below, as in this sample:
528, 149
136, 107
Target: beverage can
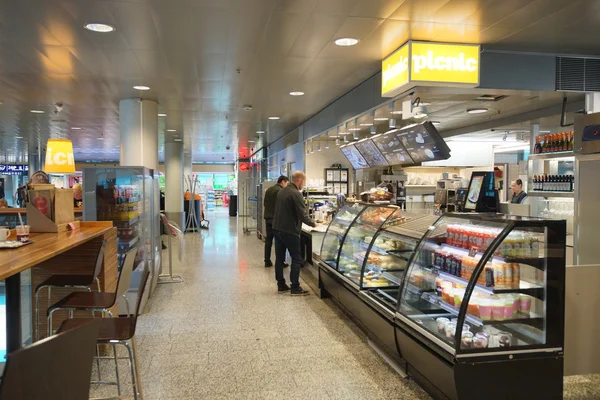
498, 274
516, 270
508, 273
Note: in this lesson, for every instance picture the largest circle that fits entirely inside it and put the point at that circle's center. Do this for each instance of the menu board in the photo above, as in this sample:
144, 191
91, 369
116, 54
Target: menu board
420, 145
371, 153
354, 156
391, 148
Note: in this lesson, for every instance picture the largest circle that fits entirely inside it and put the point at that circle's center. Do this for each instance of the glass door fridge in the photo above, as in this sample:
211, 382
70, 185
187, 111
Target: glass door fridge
126, 196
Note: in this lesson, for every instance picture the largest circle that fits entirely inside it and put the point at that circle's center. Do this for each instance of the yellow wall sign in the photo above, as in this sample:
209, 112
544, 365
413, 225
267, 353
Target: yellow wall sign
394, 70
431, 64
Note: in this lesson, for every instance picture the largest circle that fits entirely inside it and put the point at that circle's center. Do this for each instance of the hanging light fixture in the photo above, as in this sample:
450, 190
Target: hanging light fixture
373, 130
346, 139
312, 146
59, 157
327, 144
355, 135
319, 146
337, 142
307, 148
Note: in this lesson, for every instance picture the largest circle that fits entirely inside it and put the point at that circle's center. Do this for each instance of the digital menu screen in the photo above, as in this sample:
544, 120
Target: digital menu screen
474, 192
424, 143
371, 153
392, 149
354, 156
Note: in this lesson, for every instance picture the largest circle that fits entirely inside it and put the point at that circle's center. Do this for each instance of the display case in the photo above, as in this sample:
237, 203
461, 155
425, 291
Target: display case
483, 299
126, 196
336, 233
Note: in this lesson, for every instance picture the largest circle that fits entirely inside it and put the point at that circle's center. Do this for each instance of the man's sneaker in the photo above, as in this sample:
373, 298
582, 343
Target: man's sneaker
269, 264
283, 289
285, 265
298, 291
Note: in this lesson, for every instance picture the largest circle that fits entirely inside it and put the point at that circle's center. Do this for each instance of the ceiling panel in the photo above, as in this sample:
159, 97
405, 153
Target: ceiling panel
205, 59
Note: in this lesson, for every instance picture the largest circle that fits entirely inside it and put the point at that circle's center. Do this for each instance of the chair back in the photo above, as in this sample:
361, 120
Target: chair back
55, 368
99, 260
138, 304
126, 270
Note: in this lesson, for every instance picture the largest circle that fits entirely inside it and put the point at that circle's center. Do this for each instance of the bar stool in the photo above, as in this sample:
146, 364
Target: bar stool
118, 331
68, 281
97, 301
57, 368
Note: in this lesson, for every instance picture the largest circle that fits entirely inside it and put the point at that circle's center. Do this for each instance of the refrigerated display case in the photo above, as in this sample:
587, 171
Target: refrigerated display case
126, 196
481, 311
363, 259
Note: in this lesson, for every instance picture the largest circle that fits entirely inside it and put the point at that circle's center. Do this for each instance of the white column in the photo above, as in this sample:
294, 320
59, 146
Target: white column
138, 120
187, 166
174, 182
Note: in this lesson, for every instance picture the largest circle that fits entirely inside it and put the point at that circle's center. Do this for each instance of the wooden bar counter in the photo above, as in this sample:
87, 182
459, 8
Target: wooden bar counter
68, 253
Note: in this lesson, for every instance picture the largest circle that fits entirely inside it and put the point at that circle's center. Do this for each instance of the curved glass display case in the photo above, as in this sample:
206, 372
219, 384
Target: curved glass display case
336, 232
487, 283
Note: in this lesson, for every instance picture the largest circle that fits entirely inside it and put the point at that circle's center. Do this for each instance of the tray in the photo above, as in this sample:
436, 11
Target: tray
13, 244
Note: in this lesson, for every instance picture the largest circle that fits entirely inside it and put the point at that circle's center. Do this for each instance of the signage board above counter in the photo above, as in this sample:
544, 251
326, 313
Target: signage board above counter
430, 64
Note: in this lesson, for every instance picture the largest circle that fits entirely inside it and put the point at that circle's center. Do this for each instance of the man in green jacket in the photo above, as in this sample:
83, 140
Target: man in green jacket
269, 212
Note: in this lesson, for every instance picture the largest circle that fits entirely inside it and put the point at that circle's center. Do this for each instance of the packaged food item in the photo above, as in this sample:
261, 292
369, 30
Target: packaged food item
480, 341
504, 339
489, 276
459, 295
497, 309
516, 305
508, 307
473, 307
485, 309
508, 274
450, 330
516, 273
466, 340
441, 324
525, 304
498, 274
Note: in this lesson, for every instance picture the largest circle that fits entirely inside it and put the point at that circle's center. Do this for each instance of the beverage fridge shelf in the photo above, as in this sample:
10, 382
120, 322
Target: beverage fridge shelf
535, 322
539, 193
524, 287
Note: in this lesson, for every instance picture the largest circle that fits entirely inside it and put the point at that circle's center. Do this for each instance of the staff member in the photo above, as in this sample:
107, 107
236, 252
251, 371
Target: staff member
519, 195
269, 212
290, 213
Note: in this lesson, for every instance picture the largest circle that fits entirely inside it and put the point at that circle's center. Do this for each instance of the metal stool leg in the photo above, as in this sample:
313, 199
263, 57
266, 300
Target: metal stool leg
132, 363
114, 346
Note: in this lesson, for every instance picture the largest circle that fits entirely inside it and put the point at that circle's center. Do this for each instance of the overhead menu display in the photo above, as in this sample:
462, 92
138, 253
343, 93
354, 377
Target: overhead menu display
371, 153
354, 156
391, 148
422, 145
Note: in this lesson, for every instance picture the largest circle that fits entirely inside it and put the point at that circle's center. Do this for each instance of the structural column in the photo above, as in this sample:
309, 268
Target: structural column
187, 166
174, 182
138, 120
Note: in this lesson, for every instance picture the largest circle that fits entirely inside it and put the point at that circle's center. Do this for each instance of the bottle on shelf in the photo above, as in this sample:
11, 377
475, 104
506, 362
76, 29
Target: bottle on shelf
537, 149
545, 144
570, 147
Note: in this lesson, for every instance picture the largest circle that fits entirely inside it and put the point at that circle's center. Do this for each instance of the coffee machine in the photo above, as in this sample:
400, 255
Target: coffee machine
445, 196
397, 180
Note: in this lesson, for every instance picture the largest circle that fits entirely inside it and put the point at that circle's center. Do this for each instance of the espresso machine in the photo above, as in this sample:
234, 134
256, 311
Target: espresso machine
397, 180
445, 196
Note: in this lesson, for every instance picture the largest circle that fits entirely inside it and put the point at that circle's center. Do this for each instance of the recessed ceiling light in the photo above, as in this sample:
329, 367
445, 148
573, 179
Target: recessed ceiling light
162, 115
37, 111
171, 130
366, 124
274, 118
545, 131
436, 122
101, 28
18, 137
251, 141
75, 128
260, 132
141, 87
353, 129
477, 110
381, 119
297, 93
396, 112
100, 138
178, 140
345, 42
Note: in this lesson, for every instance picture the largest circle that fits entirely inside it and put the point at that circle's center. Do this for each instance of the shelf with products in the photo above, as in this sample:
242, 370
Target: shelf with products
540, 193
552, 156
554, 143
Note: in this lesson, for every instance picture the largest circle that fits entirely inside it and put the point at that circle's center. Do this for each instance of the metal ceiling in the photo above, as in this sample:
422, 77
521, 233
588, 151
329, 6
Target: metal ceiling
205, 59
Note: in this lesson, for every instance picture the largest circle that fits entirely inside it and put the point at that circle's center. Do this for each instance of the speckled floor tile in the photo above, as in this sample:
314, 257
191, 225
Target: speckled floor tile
225, 333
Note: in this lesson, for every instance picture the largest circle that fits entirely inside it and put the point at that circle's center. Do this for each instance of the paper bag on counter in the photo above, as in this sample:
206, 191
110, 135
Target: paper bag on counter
63, 206
43, 200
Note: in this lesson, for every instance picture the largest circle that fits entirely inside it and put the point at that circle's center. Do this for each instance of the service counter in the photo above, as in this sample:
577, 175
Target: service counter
68, 253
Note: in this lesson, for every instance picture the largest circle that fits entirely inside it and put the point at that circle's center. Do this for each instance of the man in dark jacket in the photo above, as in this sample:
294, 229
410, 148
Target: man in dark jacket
269, 203
290, 213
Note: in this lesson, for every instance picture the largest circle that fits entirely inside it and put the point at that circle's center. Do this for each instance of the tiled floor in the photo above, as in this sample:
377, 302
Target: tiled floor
225, 333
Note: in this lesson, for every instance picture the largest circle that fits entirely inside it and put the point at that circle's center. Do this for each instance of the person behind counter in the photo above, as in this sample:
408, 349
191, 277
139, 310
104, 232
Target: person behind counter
289, 215
519, 195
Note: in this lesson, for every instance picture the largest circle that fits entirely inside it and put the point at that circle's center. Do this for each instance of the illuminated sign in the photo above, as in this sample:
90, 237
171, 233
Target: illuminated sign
59, 157
394, 70
430, 64
13, 169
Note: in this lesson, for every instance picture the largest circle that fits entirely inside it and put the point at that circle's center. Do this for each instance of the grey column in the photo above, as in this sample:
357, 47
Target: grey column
187, 167
138, 120
174, 182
